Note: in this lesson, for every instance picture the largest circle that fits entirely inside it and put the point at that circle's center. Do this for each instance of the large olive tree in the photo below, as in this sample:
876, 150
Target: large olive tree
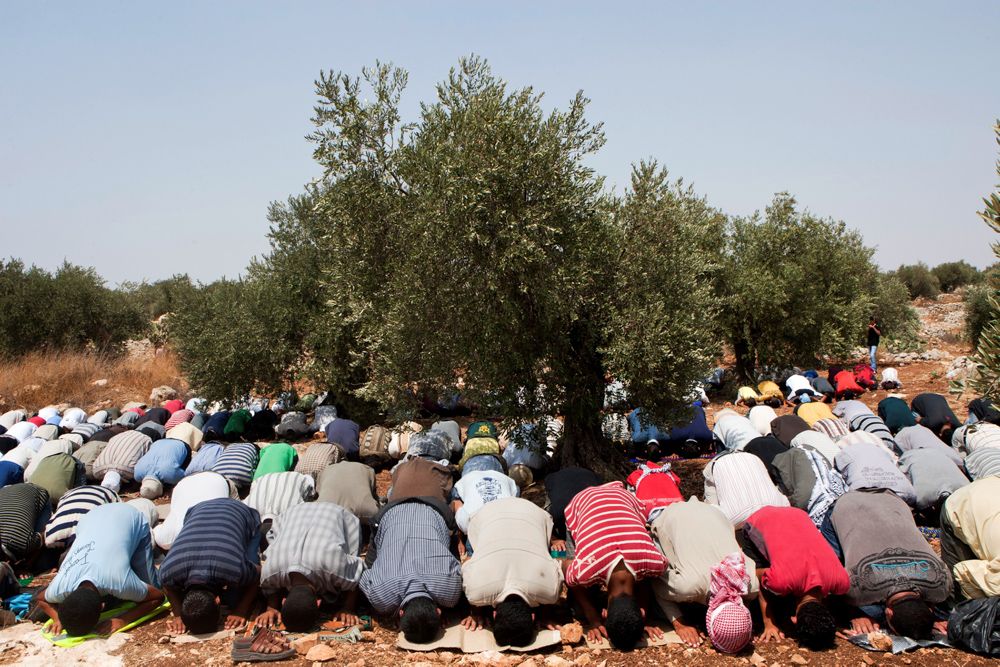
474, 250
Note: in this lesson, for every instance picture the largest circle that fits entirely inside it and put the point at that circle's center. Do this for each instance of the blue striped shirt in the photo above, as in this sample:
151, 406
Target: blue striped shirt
211, 548
237, 463
412, 560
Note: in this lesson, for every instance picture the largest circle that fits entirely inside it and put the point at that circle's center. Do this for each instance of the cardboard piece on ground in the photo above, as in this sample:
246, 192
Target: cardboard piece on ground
669, 637
187, 639
477, 641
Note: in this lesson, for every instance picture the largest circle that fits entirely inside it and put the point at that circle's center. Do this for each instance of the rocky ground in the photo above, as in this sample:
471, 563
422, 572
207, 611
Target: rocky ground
150, 644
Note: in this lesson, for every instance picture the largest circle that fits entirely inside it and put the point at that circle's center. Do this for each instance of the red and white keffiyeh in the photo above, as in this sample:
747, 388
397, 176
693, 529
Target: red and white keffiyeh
728, 619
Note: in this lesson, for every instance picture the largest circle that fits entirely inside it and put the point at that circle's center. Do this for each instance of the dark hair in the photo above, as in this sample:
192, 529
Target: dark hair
513, 625
625, 623
653, 451
80, 612
373, 461
421, 620
912, 617
814, 625
750, 402
300, 612
200, 611
773, 402
849, 395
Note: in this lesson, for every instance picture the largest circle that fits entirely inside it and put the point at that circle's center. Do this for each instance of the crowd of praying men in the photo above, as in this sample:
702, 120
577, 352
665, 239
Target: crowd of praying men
809, 515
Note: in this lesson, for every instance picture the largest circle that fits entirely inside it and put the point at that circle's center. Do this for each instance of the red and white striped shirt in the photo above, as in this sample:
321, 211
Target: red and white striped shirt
608, 524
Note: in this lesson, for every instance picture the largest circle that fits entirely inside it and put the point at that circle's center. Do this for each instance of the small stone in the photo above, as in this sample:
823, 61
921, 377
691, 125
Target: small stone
557, 661
99, 383
165, 639
782, 649
321, 653
422, 664
880, 641
528, 663
446, 657
583, 659
162, 394
868, 661
367, 636
755, 659
799, 660
567, 650
304, 643
571, 633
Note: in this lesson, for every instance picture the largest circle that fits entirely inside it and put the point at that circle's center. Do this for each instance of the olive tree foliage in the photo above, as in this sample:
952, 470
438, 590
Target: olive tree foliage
475, 251
793, 286
919, 280
71, 308
987, 355
264, 332
952, 275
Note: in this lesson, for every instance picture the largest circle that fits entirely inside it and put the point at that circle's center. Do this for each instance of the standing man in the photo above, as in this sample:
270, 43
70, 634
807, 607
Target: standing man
873, 335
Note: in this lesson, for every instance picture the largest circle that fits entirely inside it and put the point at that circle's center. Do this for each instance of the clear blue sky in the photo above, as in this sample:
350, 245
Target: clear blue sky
147, 139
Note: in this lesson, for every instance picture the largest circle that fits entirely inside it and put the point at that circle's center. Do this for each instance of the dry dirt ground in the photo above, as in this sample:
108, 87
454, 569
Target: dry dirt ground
149, 644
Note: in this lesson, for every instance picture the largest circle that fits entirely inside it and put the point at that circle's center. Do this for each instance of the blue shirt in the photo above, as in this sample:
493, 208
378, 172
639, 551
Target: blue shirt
211, 549
10, 473
412, 560
164, 461
345, 433
112, 541
205, 458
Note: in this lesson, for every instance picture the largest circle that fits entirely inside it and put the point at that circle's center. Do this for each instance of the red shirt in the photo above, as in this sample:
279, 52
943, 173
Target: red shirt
800, 557
655, 487
609, 524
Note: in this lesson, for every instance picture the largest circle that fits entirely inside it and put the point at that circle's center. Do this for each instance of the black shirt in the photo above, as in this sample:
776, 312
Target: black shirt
562, 486
934, 412
872, 336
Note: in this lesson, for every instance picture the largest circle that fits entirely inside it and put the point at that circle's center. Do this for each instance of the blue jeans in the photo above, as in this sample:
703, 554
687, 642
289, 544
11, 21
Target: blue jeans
871, 351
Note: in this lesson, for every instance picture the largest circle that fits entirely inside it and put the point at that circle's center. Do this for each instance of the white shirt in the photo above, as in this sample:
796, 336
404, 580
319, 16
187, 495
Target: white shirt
797, 382
478, 488
189, 492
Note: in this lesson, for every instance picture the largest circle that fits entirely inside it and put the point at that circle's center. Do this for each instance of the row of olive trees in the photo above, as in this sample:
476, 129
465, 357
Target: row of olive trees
922, 281
71, 308
475, 250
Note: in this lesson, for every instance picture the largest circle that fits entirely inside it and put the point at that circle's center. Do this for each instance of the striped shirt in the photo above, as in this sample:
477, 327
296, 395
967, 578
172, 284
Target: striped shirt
976, 436
275, 492
21, 505
86, 430
320, 541
77, 502
868, 466
854, 437
237, 463
608, 524
983, 463
122, 453
832, 428
740, 485
412, 560
873, 424
179, 417
210, 550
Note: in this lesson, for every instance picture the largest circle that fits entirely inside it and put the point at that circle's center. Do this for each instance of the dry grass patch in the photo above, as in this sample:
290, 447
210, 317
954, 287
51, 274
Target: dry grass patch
51, 378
